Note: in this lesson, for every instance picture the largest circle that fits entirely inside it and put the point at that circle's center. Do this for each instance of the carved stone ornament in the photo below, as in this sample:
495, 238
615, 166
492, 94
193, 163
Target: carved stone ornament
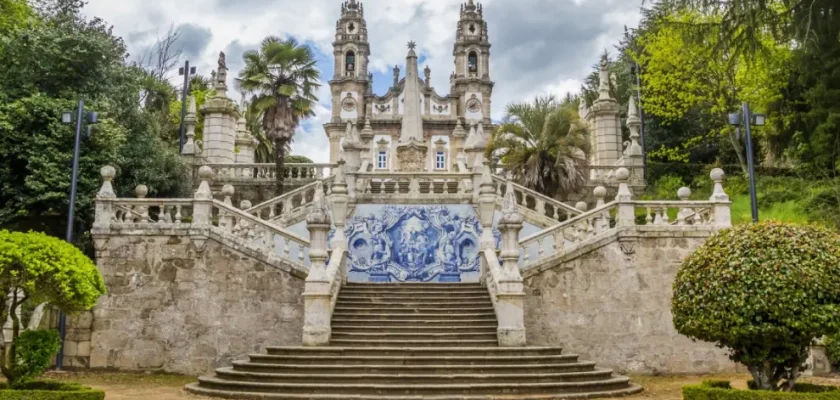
474, 104
441, 108
383, 108
349, 103
628, 248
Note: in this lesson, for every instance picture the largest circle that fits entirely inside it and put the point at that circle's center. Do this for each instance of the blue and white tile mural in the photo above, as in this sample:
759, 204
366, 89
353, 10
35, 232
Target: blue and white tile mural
414, 244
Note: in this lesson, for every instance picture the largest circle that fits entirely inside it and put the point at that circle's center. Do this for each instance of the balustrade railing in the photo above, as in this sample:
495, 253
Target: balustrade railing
152, 211
413, 184
263, 234
289, 202
267, 172
536, 202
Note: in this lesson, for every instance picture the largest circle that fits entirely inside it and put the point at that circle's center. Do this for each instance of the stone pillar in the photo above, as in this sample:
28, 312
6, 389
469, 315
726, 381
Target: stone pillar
104, 202
246, 144
203, 203
626, 209
510, 294
191, 149
340, 203
316, 295
486, 208
720, 201
602, 222
220, 116
634, 156
607, 130
352, 148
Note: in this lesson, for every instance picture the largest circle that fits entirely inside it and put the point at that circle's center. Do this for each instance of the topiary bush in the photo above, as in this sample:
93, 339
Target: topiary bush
50, 390
832, 349
765, 292
40, 269
35, 350
722, 390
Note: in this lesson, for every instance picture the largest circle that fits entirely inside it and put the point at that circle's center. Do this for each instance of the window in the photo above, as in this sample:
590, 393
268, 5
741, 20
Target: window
350, 63
472, 63
440, 160
382, 160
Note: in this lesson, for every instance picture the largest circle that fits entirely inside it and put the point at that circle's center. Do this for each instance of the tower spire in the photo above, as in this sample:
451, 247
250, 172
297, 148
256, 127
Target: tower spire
412, 123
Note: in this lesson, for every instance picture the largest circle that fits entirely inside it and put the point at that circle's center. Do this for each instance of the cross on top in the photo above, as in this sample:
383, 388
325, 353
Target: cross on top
412, 45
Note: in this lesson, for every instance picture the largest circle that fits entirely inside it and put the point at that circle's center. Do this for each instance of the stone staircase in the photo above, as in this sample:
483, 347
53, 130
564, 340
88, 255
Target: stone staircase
413, 341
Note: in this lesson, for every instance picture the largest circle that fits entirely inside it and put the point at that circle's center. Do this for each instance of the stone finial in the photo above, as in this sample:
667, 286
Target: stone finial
459, 130
141, 191
245, 205
684, 193
107, 190
624, 193
634, 124
205, 174
227, 192
340, 185
396, 76
428, 74
318, 215
582, 206
510, 215
367, 132
600, 193
604, 87
718, 195
487, 187
190, 121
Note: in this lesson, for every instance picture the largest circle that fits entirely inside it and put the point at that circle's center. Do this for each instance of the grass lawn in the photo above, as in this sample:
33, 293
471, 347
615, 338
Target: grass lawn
119, 386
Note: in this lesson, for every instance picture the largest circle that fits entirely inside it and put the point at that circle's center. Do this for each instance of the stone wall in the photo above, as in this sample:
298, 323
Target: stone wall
172, 307
610, 303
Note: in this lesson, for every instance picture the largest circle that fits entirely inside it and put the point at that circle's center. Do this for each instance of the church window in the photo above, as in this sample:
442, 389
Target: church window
350, 63
382, 160
440, 160
472, 29
351, 28
472, 62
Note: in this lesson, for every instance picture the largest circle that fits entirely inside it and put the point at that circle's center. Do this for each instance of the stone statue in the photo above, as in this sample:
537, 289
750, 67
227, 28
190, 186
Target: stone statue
396, 75
222, 61
428, 73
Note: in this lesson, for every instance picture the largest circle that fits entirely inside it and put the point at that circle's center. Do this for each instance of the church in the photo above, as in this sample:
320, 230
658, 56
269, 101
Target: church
411, 127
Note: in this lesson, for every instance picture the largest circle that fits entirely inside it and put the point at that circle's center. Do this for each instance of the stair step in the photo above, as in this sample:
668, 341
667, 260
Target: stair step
415, 328
414, 304
617, 383
415, 336
404, 310
415, 342
416, 286
363, 376
415, 369
487, 316
415, 293
430, 323
425, 299
410, 351
411, 360
201, 391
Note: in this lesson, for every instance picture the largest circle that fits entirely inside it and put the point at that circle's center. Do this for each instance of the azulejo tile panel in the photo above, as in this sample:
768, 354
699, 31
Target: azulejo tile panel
414, 244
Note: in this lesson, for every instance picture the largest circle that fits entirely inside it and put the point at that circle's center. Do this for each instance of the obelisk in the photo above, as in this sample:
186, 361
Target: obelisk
412, 148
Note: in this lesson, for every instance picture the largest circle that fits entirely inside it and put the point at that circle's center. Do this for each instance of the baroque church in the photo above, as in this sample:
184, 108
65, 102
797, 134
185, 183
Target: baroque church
411, 127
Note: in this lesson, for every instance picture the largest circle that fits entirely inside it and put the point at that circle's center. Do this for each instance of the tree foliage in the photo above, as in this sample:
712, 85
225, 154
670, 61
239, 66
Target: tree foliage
38, 268
765, 292
543, 144
282, 79
36, 350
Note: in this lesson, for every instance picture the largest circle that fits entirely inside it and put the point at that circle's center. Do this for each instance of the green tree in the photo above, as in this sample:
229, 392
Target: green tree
264, 153
543, 144
765, 292
282, 77
13, 15
38, 268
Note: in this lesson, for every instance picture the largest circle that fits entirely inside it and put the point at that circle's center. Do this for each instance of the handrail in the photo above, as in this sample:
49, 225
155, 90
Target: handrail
289, 195
256, 221
566, 224
419, 175
548, 200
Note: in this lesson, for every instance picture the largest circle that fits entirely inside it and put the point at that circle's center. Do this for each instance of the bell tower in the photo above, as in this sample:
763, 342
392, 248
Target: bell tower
471, 80
351, 80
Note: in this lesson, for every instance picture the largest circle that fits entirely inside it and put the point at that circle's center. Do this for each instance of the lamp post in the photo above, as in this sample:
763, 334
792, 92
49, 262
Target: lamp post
749, 119
67, 118
186, 72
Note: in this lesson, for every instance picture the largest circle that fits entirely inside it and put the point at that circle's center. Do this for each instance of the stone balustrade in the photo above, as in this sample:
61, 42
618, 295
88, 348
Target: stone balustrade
532, 201
283, 207
267, 173
624, 212
265, 235
396, 186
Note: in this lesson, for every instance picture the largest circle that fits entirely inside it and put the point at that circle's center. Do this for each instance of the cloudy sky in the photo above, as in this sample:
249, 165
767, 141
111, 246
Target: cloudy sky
539, 46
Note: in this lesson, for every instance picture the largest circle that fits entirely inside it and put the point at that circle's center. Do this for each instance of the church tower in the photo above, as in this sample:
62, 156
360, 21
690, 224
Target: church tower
351, 80
471, 79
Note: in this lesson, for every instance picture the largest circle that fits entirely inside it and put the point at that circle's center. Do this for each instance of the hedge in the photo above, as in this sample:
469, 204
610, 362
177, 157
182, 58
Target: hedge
50, 390
716, 391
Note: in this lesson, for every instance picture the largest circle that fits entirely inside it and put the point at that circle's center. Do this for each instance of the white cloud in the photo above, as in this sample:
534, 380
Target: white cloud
539, 46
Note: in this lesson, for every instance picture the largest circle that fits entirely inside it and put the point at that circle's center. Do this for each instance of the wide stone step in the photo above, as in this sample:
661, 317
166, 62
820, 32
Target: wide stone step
415, 342
503, 353
430, 323
344, 315
413, 360
425, 299
413, 369
405, 310
415, 328
338, 336
431, 389
361, 377
414, 293
415, 286
414, 304
201, 391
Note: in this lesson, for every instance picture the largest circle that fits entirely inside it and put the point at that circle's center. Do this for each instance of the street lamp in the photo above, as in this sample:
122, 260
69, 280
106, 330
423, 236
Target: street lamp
186, 72
749, 119
67, 118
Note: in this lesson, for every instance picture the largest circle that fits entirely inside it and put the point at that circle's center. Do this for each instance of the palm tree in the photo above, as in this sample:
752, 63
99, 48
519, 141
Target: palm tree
543, 145
264, 153
282, 78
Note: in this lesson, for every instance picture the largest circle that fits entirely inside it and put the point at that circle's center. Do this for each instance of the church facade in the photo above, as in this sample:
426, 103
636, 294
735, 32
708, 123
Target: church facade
411, 127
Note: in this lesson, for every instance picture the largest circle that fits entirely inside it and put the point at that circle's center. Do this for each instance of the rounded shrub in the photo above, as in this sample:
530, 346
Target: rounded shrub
35, 350
763, 291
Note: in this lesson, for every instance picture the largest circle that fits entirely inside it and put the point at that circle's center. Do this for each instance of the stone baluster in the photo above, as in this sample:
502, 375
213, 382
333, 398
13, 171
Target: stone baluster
317, 289
487, 208
684, 214
340, 202
539, 205
601, 222
626, 209
203, 203
510, 294
142, 211
105, 202
721, 211
583, 227
414, 187
226, 221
